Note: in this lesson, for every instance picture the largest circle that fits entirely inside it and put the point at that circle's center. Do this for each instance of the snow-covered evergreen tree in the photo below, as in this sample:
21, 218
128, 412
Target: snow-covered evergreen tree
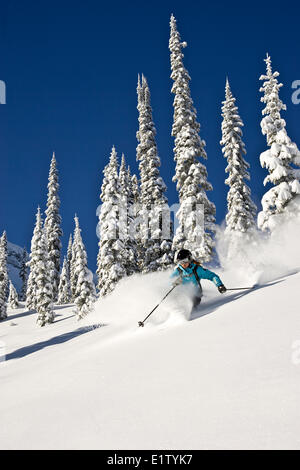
85, 293
135, 210
3, 276
73, 274
39, 287
33, 260
13, 300
98, 269
156, 242
23, 274
73, 250
64, 288
112, 254
53, 223
241, 210
283, 199
29, 297
44, 269
135, 189
69, 254
73, 271
127, 219
124, 186
196, 215
5, 269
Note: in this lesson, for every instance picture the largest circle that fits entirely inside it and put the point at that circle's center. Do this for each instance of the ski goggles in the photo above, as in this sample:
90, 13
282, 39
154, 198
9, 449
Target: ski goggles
184, 261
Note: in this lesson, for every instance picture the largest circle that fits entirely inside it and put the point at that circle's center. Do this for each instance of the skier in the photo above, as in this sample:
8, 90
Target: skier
188, 270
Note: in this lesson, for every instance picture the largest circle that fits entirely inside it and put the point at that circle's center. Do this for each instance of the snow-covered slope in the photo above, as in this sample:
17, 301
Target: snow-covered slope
229, 377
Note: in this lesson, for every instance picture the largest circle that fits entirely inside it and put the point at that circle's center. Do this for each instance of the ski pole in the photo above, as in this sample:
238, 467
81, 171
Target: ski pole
141, 323
241, 288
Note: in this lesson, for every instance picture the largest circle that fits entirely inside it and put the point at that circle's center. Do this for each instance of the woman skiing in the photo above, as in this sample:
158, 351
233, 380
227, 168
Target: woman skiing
188, 271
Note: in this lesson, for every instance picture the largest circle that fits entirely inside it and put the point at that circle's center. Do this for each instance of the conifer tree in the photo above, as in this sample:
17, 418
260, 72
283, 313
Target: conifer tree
135, 189
123, 203
133, 193
126, 218
30, 298
98, 269
196, 215
69, 254
241, 210
39, 287
73, 273
53, 223
112, 252
85, 294
153, 200
282, 200
23, 274
33, 260
13, 300
136, 209
3, 276
44, 283
64, 288
5, 253
5, 268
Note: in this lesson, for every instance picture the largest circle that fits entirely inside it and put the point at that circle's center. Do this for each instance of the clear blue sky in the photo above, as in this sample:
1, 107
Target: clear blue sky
71, 68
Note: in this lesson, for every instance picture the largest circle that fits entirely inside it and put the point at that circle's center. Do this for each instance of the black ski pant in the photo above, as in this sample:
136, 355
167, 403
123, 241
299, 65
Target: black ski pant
197, 297
196, 301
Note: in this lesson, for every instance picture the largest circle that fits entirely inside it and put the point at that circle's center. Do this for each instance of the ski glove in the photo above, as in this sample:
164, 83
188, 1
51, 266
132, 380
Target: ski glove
177, 281
222, 289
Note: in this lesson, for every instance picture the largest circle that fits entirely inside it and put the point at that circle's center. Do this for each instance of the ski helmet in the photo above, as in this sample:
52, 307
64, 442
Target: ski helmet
183, 255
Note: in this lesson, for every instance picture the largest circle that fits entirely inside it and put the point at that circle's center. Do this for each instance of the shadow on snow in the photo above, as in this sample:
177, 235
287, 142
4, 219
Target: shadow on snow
18, 315
211, 306
22, 352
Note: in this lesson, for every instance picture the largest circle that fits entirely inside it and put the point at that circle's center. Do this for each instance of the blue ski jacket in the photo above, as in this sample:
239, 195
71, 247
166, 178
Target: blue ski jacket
188, 275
